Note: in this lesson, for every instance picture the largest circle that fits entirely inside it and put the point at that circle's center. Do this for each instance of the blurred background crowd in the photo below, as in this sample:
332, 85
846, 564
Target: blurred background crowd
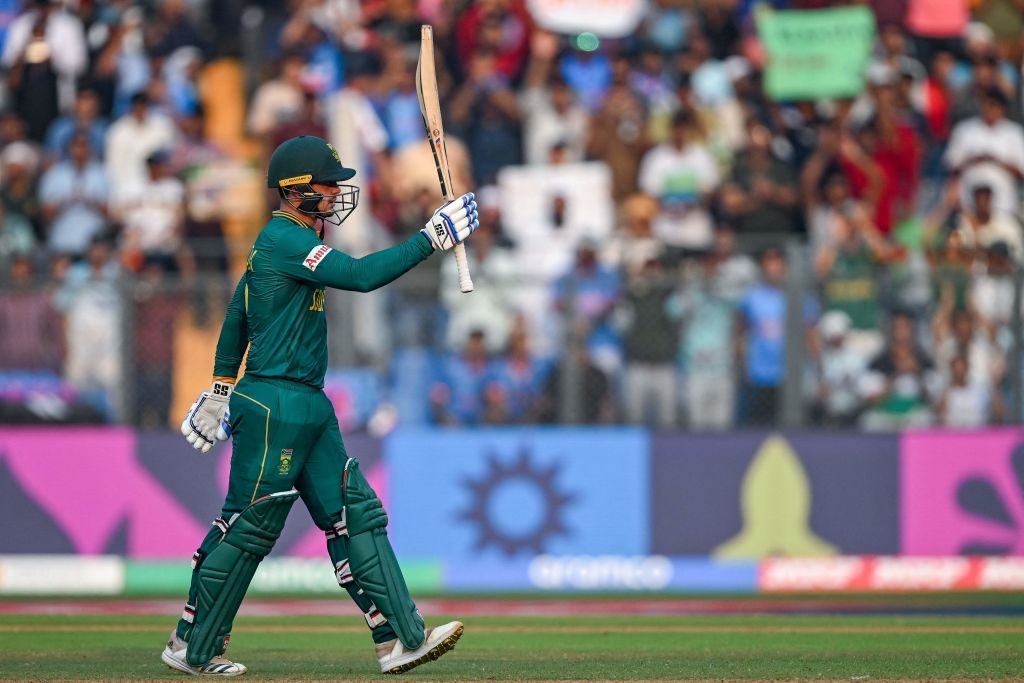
662, 240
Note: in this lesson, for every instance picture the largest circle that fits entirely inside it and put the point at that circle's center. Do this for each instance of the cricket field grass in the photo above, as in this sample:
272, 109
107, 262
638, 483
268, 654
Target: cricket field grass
915, 646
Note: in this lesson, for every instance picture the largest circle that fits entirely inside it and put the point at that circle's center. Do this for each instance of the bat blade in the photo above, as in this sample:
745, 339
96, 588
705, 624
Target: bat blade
430, 109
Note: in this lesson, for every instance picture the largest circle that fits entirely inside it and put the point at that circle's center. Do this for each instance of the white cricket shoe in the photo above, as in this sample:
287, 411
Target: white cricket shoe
174, 657
395, 659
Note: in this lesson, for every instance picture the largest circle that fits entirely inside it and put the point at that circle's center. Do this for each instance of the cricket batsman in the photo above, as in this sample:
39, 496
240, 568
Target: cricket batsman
286, 440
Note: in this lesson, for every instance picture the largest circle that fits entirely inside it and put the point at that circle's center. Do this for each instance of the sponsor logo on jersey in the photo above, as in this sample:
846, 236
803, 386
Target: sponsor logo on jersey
285, 464
315, 256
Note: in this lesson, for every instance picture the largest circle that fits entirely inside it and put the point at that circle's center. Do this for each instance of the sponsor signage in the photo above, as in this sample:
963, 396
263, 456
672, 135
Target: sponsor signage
896, 574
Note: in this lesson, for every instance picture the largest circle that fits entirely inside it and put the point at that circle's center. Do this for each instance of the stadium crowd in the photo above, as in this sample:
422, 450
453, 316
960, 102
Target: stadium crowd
683, 212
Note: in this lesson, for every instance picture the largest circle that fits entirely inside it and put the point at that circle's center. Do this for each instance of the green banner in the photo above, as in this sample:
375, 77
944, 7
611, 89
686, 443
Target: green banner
816, 54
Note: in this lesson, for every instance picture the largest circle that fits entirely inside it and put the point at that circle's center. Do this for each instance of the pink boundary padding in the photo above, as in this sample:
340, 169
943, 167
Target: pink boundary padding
89, 482
933, 465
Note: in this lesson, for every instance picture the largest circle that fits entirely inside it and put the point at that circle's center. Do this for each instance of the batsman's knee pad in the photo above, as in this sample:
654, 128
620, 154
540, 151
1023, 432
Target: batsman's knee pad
362, 554
223, 576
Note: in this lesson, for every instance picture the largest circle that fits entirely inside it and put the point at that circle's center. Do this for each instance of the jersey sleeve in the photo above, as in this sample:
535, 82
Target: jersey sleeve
306, 258
234, 335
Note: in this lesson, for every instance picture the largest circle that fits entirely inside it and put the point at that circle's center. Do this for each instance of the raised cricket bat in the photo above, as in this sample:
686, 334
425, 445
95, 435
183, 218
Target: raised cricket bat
430, 108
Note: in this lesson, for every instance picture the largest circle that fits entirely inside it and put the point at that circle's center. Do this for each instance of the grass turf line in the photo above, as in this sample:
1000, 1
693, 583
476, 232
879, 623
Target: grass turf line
50, 647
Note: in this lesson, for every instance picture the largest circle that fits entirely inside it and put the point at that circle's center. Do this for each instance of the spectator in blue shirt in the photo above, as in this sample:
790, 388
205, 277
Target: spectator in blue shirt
74, 199
761, 339
516, 380
457, 395
588, 294
85, 116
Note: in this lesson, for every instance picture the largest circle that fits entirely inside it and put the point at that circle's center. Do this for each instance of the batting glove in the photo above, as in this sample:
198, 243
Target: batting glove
452, 223
208, 420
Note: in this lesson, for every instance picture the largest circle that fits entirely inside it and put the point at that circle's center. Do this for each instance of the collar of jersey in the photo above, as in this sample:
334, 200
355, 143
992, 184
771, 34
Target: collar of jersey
293, 219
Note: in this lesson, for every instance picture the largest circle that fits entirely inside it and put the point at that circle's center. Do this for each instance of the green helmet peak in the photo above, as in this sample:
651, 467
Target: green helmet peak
306, 159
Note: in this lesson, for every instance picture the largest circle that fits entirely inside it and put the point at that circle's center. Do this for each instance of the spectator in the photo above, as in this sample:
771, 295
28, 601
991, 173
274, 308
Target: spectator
848, 269
838, 152
618, 137
979, 227
90, 301
761, 193
17, 238
74, 199
517, 379
152, 216
131, 140
589, 74
28, 324
85, 116
591, 385
649, 80
956, 333
501, 27
485, 112
963, 404
44, 53
194, 151
992, 294
457, 394
551, 116
308, 120
401, 111
634, 245
989, 150
951, 271
650, 340
900, 397
586, 296
156, 307
278, 100
681, 174
840, 372
734, 272
761, 339
706, 309
19, 162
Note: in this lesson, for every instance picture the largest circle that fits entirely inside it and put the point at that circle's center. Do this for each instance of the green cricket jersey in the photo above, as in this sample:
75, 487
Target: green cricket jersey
277, 310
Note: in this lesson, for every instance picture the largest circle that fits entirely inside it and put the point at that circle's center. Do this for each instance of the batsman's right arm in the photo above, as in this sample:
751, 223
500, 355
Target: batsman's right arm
234, 335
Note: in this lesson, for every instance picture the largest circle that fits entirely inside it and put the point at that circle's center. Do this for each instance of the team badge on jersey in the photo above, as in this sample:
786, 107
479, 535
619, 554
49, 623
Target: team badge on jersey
285, 464
315, 256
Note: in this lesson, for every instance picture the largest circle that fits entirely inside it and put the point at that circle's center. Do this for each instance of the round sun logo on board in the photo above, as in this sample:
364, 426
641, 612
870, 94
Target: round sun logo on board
517, 506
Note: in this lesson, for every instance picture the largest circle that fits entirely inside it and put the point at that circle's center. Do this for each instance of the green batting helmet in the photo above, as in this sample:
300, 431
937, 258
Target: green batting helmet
306, 159
300, 162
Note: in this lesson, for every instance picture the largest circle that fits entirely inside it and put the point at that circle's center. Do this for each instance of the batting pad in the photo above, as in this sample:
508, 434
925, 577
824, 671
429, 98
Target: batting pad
224, 575
367, 560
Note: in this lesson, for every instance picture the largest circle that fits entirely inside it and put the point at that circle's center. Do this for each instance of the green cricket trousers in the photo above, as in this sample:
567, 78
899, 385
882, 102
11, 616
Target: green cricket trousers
284, 435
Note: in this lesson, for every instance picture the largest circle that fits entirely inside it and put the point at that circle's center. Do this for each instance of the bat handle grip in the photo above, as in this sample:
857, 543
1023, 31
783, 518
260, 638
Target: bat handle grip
465, 281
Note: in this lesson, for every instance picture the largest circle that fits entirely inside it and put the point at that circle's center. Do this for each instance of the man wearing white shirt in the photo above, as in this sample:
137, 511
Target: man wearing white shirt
131, 140
152, 214
989, 150
681, 174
